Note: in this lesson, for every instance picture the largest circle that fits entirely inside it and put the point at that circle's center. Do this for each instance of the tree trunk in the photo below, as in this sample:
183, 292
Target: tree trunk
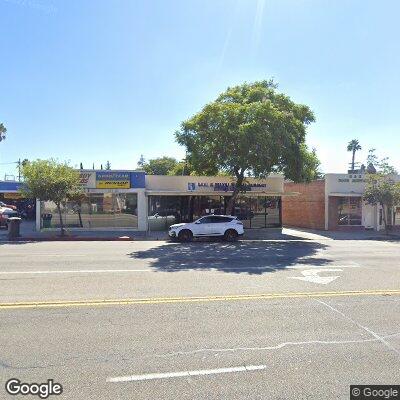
61, 220
80, 218
236, 191
353, 159
384, 219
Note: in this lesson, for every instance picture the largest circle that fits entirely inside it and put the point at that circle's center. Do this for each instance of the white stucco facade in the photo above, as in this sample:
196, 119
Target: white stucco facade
352, 186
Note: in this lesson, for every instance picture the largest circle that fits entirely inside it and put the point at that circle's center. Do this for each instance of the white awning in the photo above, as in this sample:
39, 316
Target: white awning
351, 194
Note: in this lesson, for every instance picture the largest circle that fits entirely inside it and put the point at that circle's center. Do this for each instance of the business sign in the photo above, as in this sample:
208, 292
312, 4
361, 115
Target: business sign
87, 179
13, 196
113, 180
224, 186
353, 178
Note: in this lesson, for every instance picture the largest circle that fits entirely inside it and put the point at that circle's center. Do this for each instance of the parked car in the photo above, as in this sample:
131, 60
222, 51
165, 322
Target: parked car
2, 204
5, 214
226, 226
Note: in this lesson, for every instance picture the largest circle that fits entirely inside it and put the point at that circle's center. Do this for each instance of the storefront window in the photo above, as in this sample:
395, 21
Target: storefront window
350, 211
258, 212
397, 216
205, 205
168, 210
96, 210
165, 211
254, 212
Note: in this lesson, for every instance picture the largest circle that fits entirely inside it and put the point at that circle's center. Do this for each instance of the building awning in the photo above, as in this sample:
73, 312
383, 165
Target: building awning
212, 193
351, 194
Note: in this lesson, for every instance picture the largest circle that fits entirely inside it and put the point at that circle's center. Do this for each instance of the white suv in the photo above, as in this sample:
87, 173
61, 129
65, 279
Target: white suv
227, 226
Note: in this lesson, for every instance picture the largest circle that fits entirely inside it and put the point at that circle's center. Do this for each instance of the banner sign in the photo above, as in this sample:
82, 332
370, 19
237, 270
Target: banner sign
113, 180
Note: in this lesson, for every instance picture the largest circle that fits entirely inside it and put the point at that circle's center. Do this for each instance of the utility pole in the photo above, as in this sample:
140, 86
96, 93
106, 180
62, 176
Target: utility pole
19, 170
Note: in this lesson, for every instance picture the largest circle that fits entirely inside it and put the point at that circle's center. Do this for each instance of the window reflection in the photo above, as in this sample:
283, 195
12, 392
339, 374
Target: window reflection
94, 210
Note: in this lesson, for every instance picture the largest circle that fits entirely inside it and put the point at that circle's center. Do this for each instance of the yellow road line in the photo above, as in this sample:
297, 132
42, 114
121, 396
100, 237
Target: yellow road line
163, 300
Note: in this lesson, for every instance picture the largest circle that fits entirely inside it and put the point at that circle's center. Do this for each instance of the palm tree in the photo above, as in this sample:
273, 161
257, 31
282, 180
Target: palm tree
3, 131
353, 146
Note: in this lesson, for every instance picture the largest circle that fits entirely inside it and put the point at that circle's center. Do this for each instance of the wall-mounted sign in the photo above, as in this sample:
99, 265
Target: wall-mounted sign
13, 196
87, 179
352, 179
224, 186
113, 180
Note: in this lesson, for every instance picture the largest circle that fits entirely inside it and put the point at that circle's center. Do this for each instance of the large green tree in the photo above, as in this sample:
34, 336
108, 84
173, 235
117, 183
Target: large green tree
250, 129
3, 131
50, 180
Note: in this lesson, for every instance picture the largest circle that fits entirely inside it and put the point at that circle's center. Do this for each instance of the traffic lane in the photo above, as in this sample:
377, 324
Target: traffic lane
301, 342
167, 256
157, 269
138, 284
161, 253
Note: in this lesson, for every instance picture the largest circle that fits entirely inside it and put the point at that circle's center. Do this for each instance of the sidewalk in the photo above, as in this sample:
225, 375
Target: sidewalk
293, 234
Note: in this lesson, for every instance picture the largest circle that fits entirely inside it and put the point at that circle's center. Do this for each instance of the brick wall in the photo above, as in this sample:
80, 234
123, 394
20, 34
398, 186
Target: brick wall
306, 210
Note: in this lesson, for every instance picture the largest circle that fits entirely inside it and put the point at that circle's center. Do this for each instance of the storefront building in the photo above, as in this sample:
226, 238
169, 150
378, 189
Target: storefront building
174, 199
113, 200
10, 195
134, 200
336, 203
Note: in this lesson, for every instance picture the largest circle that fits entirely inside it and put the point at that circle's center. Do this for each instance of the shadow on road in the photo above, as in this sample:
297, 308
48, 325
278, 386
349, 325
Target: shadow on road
241, 257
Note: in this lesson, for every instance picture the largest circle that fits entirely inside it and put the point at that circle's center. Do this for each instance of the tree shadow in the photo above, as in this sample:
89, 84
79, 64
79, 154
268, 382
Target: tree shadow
255, 258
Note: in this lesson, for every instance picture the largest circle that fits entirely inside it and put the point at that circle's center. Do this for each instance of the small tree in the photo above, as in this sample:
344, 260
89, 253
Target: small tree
250, 129
141, 163
77, 196
374, 163
353, 146
49, 180
382, 190
108, 165
3, 131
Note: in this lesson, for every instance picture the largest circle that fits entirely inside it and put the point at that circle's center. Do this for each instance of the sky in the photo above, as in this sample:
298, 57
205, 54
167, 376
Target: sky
95, 80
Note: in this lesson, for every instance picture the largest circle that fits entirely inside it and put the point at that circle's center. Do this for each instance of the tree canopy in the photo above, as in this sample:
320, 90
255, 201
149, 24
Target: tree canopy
3, 131
50, 180
250, 129
375, 164
160, 166
381, 189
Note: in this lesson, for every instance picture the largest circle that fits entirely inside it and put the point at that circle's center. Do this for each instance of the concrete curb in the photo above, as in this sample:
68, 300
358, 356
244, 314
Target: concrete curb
69, 239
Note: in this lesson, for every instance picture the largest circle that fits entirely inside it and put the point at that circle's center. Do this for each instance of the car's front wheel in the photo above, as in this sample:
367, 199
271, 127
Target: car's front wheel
185, 235
231, 235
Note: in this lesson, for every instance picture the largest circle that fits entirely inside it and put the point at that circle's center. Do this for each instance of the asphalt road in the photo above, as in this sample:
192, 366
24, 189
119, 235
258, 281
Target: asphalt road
210, 320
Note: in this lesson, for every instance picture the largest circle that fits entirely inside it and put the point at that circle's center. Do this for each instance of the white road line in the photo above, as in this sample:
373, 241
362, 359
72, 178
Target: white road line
180, 374
78, 271
304, 266
371, 332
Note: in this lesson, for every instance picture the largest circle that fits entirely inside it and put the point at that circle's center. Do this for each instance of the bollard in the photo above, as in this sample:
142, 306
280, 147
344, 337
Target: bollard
13, 227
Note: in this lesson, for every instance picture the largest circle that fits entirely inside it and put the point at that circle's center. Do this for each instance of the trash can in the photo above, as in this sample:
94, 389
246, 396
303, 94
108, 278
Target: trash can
47, 220
13, 227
